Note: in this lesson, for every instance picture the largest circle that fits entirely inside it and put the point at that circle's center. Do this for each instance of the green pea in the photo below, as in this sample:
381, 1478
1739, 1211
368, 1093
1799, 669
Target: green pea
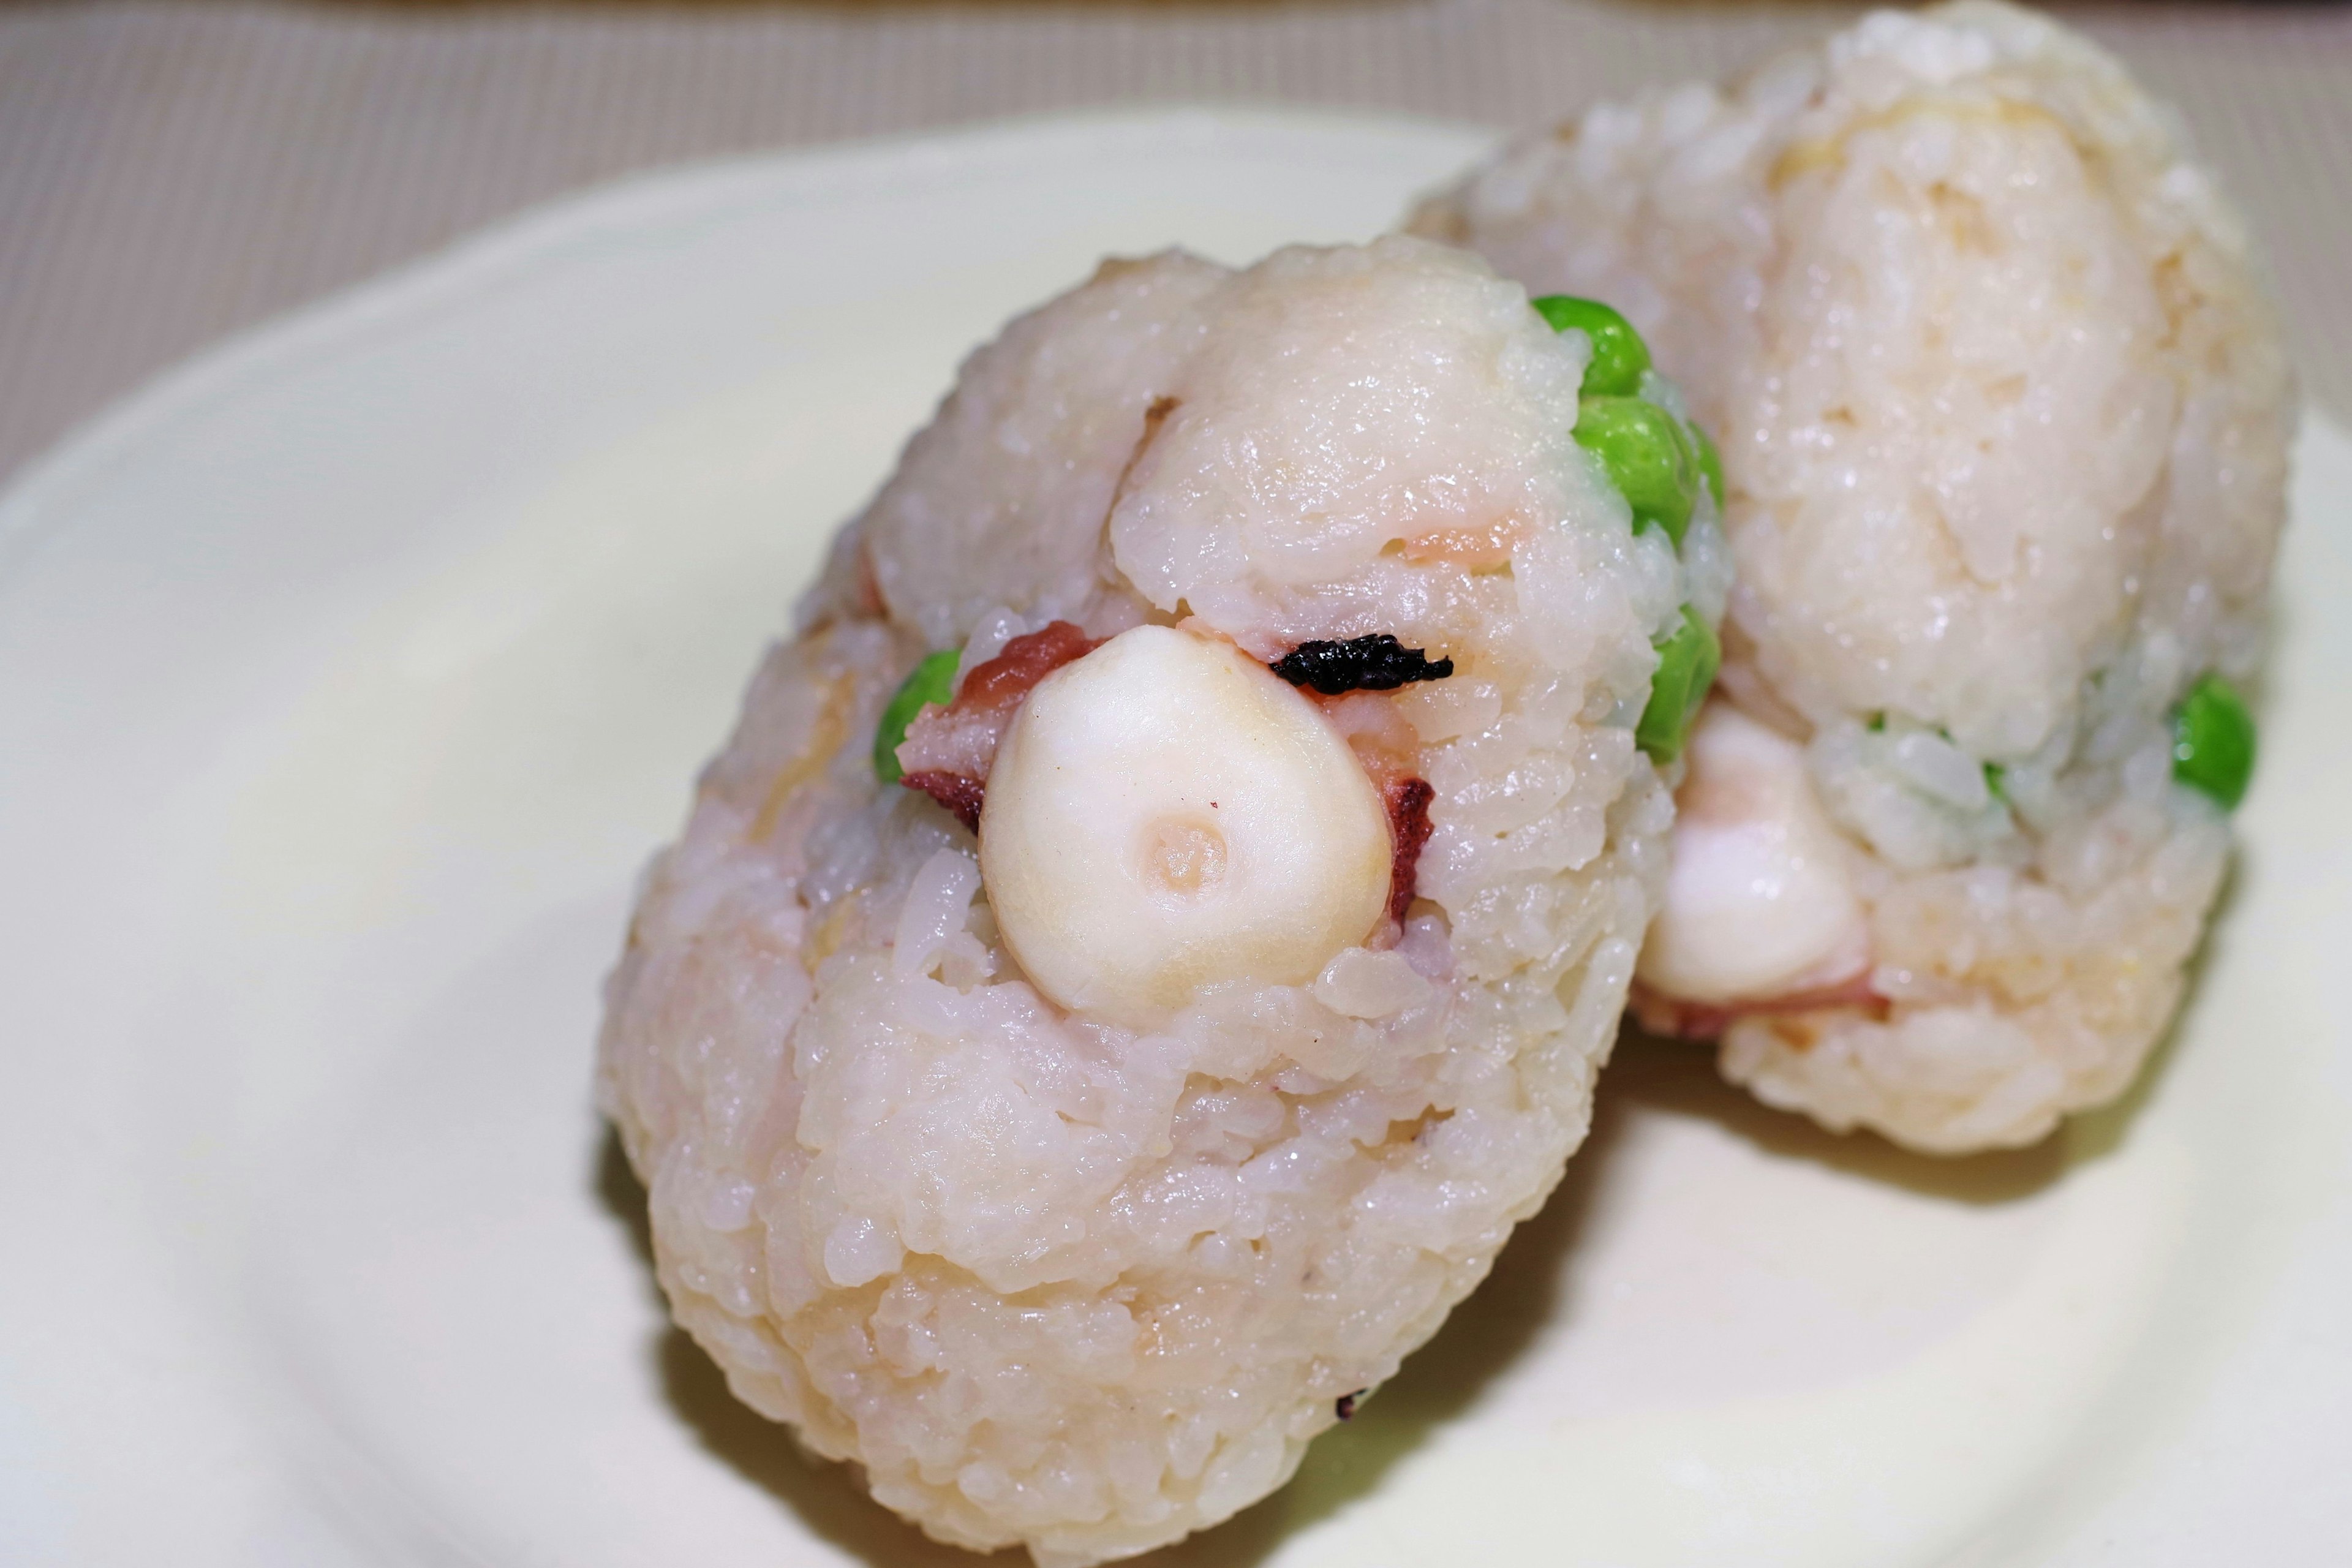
1619, 354
2213, 742
1710, 461
933, 681
1648, 458
1688, 661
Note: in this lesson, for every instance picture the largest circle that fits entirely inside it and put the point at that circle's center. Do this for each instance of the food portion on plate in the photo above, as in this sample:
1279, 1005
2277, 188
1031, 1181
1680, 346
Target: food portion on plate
2004, 416
1156, 924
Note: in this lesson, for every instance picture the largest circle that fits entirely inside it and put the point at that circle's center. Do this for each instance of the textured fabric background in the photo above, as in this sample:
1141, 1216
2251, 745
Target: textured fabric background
169, 173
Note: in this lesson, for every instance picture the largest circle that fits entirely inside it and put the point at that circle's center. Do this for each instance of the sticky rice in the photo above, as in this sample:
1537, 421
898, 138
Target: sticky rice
2004, 417
1088, 1278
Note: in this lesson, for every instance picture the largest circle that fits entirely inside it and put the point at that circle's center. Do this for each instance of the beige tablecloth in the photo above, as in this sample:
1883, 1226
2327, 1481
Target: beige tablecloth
169, 173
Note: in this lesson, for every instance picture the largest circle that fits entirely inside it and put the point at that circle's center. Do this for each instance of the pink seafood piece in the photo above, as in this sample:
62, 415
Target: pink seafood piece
947, 751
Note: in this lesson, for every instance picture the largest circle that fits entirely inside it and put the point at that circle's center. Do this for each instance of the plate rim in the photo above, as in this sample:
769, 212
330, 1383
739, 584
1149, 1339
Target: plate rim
509, 250
617, 208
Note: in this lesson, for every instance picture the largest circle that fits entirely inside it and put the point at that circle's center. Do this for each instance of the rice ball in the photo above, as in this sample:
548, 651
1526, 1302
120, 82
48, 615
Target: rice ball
1155, 928
2004, 417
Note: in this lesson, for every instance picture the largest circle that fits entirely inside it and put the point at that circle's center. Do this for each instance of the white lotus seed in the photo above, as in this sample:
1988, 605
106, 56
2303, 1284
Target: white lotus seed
1165, 814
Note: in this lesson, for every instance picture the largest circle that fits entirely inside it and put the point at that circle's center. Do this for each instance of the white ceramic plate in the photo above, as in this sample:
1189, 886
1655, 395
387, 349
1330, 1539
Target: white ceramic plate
347, 678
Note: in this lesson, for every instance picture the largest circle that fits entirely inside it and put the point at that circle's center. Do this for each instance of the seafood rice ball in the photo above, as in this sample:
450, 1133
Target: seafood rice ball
2004, 418
1155, 928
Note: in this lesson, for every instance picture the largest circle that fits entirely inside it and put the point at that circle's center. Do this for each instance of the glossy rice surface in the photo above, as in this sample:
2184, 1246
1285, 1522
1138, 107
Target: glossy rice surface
2004, 414
1057, 1282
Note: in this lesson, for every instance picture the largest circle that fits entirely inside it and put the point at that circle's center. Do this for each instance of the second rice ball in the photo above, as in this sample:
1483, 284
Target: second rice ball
2005, 415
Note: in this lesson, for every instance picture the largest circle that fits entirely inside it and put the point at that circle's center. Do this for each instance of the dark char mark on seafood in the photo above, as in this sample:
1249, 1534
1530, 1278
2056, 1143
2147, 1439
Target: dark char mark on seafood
1374, 663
